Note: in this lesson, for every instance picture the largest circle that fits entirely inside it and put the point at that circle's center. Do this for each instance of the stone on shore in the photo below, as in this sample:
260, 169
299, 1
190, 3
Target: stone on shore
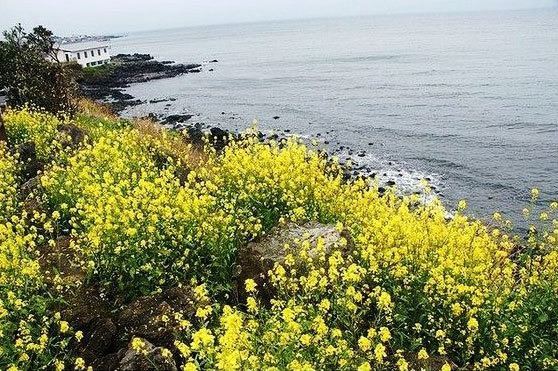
175, 119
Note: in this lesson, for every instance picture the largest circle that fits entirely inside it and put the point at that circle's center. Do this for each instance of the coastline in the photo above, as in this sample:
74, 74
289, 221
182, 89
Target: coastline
106, 83
277, 207
138, 68
431, 111
110, 316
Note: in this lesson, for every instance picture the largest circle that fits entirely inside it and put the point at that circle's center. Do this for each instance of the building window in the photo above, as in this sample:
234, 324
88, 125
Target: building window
88, 64
85, 54
67, 57
105, 50
98, 51
79, 57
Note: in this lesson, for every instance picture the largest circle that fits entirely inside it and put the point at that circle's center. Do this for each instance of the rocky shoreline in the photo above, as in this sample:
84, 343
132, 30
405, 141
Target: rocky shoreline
107, 83
107, 86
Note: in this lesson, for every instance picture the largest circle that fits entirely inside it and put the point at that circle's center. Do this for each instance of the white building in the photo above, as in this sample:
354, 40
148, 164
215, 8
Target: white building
88, 54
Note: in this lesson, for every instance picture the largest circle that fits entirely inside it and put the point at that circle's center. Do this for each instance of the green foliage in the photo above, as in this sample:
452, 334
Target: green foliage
8, 183
92, 74
403, 287
30, 338
40, 128
31, 74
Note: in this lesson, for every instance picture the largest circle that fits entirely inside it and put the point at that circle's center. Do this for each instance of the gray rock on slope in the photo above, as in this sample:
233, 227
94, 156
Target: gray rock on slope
151, 358
257, 258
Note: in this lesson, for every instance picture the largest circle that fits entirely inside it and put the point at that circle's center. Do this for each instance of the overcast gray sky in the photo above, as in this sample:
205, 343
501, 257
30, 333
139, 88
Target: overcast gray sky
67, 17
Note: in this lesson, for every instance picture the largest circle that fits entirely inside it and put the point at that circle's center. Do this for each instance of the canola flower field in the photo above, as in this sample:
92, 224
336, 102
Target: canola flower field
145, 210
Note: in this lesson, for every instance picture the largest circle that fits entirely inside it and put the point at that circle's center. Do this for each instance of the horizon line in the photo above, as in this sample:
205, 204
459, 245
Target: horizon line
295, 19
281, 20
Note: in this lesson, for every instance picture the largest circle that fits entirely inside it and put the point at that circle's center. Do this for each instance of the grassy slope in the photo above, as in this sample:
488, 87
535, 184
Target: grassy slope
145, 210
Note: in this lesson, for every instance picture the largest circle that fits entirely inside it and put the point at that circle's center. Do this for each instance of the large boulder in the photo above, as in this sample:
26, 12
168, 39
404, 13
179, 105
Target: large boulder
89, 312
258, 257
29, 195
195, 135
108, 327
29, 187
32, 205
86, 310
148, 316
58, 260
101, 340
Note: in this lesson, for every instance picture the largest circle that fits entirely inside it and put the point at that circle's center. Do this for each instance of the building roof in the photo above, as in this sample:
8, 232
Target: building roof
76, 47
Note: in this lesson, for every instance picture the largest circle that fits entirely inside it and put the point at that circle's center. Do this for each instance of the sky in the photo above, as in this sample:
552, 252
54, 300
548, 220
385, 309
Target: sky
69, 17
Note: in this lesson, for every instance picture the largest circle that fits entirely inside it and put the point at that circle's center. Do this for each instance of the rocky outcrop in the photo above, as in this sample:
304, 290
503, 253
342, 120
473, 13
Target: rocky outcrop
145, 316
107, 82
103, 335
219, 137
258, 257
108, 330
197, 135
175, 119
29, 187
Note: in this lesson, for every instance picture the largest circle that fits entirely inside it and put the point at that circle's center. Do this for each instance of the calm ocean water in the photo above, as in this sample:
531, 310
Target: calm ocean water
469, 100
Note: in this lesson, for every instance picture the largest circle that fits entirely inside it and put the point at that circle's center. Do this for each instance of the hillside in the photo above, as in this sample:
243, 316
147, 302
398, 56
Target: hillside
124, 245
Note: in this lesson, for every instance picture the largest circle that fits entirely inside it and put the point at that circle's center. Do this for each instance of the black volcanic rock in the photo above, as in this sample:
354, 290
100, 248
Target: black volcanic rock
118, 95
175, 119
219, 137
121, 105
158, 100
108, 81
195, 134
136, 57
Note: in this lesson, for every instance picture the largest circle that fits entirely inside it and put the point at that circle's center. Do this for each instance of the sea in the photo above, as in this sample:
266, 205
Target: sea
468, 101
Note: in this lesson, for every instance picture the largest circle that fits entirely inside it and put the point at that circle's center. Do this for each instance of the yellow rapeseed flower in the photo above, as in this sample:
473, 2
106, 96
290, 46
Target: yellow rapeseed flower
250, 285
364, 344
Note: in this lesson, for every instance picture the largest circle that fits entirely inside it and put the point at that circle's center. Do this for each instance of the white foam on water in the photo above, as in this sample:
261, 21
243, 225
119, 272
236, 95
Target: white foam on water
407, 180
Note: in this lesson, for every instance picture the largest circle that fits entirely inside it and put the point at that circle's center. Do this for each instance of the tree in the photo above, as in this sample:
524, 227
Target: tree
31, 73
